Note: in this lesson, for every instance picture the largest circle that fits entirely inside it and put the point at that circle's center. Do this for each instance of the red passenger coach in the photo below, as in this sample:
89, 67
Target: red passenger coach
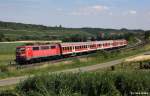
27, 53
80, 47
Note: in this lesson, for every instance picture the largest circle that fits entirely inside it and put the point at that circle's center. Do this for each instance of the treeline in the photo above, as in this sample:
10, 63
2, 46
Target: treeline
10, 31
85, 84
21, 26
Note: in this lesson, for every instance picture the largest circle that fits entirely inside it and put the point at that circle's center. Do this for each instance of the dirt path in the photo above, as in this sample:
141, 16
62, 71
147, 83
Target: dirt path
138, 58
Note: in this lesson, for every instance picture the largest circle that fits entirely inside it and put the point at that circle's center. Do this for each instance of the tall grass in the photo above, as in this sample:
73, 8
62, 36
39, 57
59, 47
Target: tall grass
86, 84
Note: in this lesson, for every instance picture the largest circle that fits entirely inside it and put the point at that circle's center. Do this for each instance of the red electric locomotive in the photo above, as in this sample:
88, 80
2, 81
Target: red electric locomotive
32, 52
27, 53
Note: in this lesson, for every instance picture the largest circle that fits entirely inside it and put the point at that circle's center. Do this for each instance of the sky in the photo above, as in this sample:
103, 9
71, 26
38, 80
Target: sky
131, 14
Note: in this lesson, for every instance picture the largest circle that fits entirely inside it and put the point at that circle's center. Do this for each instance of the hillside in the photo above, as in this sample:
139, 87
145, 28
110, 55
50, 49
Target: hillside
10, 31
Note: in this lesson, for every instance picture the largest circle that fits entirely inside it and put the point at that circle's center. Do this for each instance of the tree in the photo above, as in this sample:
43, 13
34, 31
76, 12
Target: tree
2, 36
60, 26
147, 35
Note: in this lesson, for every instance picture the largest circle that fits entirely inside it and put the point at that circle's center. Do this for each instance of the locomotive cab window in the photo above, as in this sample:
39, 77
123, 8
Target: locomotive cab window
35, 48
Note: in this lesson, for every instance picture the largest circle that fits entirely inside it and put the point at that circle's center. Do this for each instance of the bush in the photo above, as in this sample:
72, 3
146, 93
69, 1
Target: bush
86, 84
8, 93
3, 68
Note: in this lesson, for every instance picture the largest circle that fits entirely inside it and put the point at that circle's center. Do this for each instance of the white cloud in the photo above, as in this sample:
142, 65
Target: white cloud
132, 12
110, 13
90, 10
59, 9
99, 8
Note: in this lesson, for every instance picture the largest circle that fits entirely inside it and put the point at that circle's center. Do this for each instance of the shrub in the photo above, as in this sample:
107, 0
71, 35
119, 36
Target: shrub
86, 84
8, 93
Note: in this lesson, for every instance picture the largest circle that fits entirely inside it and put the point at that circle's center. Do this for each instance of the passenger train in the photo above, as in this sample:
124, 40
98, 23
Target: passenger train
39, 51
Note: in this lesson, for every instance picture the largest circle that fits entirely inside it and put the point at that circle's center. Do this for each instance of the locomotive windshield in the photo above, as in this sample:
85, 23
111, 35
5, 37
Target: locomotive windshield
20, 50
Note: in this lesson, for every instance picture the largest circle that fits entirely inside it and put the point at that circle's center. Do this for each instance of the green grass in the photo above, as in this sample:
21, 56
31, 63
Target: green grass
10, 87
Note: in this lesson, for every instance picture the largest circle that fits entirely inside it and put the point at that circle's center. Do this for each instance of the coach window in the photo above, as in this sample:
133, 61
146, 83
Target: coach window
35, 48
70, 48
63, 48
53, 47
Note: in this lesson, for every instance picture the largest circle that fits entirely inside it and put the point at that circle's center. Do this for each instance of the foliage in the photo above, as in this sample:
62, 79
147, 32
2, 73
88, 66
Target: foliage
1, 37
145, 65
147, 35
9, 93
86, 84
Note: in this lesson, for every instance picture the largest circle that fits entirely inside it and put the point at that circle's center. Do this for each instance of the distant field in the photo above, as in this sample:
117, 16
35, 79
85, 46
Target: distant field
8, 48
